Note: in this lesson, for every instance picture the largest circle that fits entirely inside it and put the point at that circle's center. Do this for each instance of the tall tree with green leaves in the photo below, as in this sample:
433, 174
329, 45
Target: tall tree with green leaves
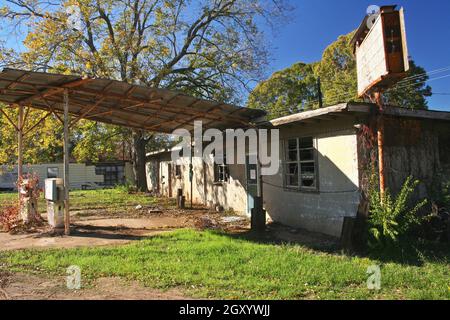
411, 92
337, 70
43, 144
207, 48
291, 90
294, 89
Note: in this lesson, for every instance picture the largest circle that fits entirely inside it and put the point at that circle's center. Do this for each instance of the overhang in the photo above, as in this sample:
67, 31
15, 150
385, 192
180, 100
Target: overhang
119, 103
359, 108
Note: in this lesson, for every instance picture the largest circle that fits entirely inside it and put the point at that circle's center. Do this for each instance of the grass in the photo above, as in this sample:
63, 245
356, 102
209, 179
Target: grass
212, 265
109, 201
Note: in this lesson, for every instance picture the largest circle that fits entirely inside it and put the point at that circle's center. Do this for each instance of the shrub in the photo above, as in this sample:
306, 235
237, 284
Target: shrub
126, 188
390, 217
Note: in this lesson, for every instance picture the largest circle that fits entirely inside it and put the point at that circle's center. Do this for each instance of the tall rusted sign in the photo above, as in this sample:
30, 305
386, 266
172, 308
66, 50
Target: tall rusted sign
382, 60
381, 50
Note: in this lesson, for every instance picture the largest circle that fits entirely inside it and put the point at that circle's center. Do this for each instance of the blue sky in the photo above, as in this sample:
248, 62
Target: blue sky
317, 23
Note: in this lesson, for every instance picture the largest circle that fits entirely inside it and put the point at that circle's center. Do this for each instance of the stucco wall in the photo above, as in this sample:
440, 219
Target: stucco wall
338, 194
231, 195
321, 211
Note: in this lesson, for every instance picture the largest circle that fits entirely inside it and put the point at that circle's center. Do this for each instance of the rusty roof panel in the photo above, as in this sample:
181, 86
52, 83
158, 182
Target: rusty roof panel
120, 103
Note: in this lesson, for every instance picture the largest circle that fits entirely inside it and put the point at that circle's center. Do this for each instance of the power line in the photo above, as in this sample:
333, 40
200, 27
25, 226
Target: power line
425, 73
418, 83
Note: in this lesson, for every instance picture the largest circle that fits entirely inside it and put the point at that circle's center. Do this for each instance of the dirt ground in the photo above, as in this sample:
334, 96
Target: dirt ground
104, 231
98, 230
21, 286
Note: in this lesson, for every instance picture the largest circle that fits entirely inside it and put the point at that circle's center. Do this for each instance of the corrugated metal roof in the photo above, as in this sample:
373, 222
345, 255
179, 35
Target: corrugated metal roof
120, 103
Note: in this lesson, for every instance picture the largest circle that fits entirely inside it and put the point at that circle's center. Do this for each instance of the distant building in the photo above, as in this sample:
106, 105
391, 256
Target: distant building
82, 176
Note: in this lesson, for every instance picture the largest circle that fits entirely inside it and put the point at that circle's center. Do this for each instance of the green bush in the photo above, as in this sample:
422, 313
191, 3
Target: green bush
126, 188
390, 217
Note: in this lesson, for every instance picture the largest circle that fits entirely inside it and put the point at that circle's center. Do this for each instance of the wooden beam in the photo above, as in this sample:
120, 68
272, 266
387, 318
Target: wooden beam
171, 108
20, 149
66, 163
9, 119
52, 91
21, 78
85, 113
99, 114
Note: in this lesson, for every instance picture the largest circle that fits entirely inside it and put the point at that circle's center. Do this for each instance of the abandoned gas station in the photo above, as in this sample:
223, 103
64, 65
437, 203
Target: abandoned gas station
71, 98
326, 155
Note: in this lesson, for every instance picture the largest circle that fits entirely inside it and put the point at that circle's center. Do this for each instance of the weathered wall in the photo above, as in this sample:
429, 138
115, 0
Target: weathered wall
231, 195
412, 148
338, 194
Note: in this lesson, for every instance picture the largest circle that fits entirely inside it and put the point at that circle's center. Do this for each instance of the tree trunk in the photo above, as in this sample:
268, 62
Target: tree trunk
139, 159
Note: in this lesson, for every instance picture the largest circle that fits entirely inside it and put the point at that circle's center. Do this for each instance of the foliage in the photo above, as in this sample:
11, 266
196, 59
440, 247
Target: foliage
219, 266
285, 91
391, 218
9, 216
337, 71
94, 142
42, 145
206, 48
412, 92
288, 91
127, 187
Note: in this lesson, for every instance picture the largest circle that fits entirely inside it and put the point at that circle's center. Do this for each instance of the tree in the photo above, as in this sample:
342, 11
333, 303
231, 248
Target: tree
42, 144
337, 70
206, 48
412, 91
291, 90
294, 89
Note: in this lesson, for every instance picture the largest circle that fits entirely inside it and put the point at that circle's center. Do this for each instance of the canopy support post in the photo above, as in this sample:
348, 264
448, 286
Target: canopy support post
20, 125
66, 163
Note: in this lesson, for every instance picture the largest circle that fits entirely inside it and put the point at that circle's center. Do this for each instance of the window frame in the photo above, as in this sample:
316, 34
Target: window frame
286, 162
218, 167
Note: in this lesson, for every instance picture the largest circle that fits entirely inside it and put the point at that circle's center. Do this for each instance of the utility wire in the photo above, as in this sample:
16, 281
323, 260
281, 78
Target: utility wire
425, 73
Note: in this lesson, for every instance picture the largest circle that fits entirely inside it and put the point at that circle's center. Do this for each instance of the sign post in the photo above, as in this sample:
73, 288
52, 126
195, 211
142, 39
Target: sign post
382, 60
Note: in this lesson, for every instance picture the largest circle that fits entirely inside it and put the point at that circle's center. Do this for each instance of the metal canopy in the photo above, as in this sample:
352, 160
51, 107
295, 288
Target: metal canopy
119, 103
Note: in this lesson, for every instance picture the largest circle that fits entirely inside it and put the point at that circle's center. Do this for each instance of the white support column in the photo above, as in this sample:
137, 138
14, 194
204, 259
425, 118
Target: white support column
66, 163
20, 126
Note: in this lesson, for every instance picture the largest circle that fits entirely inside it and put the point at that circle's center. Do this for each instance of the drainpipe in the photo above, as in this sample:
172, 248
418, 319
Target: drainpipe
380, 138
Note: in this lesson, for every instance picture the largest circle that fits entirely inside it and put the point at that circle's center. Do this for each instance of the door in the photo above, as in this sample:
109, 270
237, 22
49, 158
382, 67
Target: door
252, 181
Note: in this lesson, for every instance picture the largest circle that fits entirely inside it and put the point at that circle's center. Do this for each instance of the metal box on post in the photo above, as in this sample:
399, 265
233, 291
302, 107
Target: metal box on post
54, 194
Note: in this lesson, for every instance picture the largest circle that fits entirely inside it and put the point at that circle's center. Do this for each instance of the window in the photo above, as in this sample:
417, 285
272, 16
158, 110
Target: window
178, 171
300, 167
52, 173
221, 171
112, 174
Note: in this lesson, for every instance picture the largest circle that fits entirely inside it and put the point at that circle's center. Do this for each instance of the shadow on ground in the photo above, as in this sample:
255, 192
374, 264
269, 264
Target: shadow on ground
413, 252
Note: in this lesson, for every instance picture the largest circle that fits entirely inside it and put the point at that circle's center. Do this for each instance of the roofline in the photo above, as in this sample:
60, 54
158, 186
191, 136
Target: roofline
364, 108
